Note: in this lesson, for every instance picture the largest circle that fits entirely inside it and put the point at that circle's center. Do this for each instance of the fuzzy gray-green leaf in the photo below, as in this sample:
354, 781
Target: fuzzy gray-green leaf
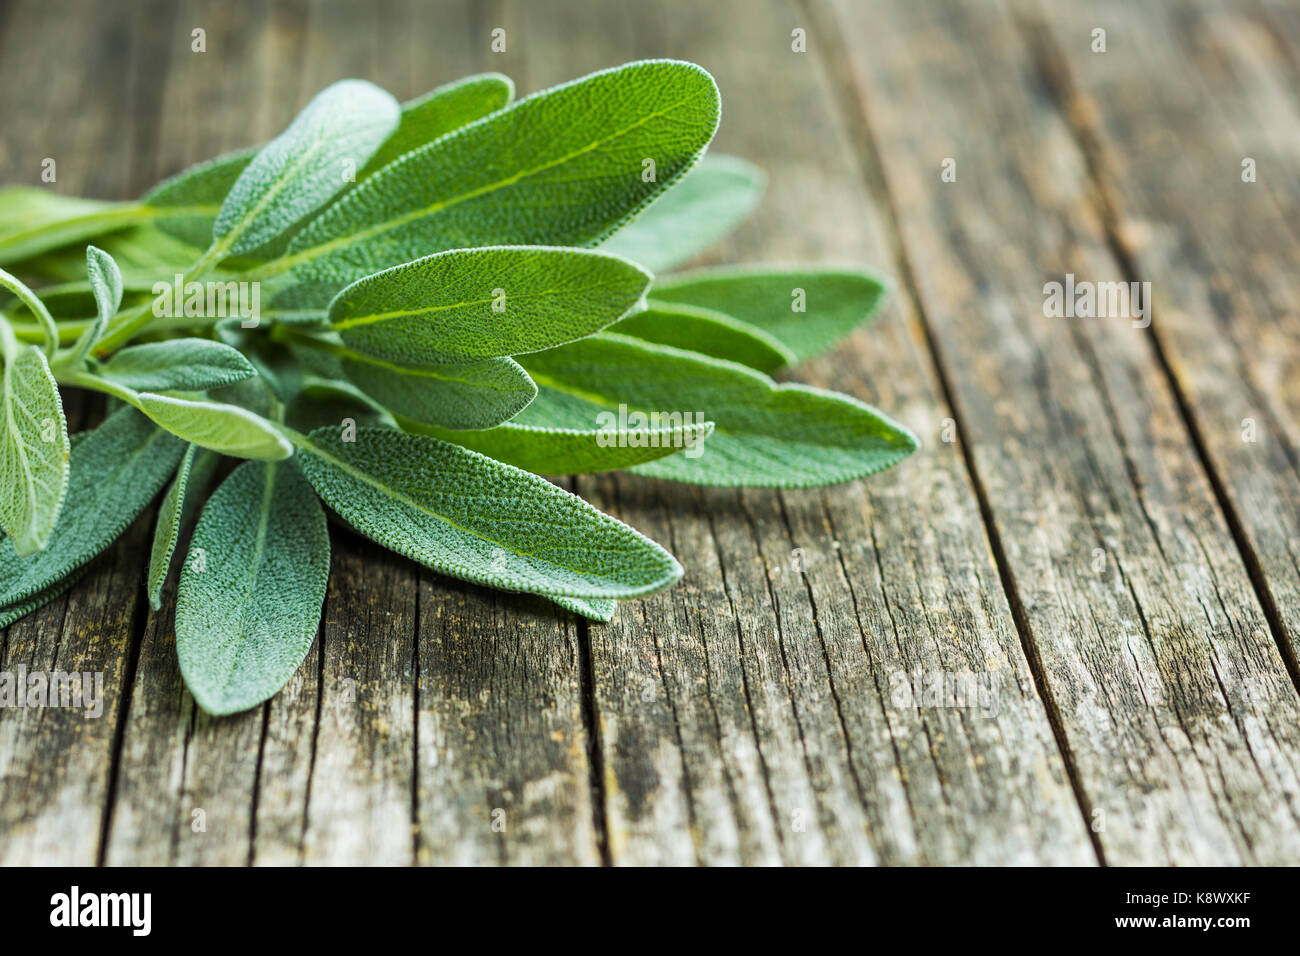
186, 205
787, 436
252, 587
807, 309
116, 471
178, 504
441, 111
479, 394
704, 330
467, 516
33, 447
706, 205
562, 167
471, 304
105, 280
305, 166
573, 451
184, 365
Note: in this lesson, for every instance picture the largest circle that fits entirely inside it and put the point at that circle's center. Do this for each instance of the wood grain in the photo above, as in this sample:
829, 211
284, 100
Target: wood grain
1085, 535
1159, 665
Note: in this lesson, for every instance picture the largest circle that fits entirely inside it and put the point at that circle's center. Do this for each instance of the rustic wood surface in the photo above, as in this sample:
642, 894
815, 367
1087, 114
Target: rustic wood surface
1103, 525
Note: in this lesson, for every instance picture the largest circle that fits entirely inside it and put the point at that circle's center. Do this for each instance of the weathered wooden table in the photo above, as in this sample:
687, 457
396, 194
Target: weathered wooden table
1102, 531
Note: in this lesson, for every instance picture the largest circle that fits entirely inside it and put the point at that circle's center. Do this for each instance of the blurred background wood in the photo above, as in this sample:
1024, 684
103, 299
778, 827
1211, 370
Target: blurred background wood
1086, 527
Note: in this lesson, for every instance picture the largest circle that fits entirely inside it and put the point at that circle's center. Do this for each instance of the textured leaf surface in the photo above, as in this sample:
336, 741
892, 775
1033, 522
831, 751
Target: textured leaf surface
440, 111
252, 588
836, 301
186, 205
116, 471
704, 330
572, 451
562, 167
306, 165
788, 436
185, 365
476, 395
706, 205
178, 504
105, 280
473, 518
33, 448
472, 304
596, 609
225, 428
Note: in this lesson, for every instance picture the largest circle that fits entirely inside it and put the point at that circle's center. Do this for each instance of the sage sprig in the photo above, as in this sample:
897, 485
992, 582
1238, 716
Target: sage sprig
407, 314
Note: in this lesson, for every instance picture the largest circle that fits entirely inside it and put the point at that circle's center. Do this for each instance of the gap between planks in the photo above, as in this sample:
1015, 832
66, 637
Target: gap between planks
1050, 62
850, 103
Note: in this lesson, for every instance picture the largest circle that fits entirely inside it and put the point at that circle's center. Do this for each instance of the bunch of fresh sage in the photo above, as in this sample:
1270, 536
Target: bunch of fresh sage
407, 313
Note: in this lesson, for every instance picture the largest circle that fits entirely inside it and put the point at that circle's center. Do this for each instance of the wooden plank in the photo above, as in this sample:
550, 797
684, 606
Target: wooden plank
1218, 88
494, 767
1158, 662
746, 715
186, 782
56, 764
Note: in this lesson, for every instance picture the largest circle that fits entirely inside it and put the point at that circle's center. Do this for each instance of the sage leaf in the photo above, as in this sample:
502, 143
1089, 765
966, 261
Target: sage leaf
474, 395
808, 310
228, 429
323, 402
464, 515
572, 451
440, 111
178, 505
563, 167
143, 254
252, 590
34, 221
305, 166
186, 205
597, 609
106, 286
24, 606
785, 436
471, 304
49, 331
704, 330
33, 447
115, 471
706, 205
224, 428
185, 365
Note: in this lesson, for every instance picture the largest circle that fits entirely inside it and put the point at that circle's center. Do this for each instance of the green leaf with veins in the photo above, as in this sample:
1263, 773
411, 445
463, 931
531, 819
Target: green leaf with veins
183, 365
562, 167
178, 505
467, 516
441, 111
784, 436
115, 471
33, 446
706, 205
105, 280
472, 304
704, 330
187, 204
34, 220
474, 395
300, 170
572, 451
247, 610
807, 309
